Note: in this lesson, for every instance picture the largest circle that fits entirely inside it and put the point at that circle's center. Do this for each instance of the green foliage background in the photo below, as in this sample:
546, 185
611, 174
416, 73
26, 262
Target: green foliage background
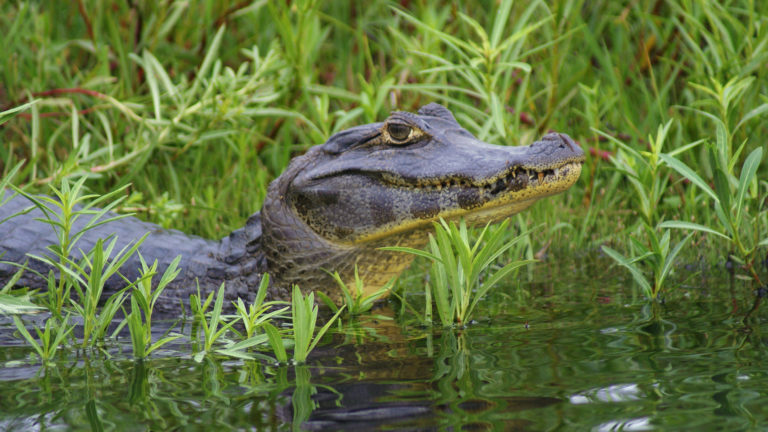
199, 104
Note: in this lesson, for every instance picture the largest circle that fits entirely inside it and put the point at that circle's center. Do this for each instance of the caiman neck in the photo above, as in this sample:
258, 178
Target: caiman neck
297, 255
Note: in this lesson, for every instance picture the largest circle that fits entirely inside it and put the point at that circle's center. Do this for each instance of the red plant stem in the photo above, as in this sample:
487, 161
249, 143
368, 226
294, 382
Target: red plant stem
60, 91
87, 20
57, 92
57, 113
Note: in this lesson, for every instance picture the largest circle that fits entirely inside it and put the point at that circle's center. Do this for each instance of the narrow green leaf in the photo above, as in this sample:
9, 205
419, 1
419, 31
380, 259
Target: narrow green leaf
721, 140
688, 173
748, 171
722, 188
13, 112
760, 110
217, 306
692, 226
686, 147
11, 304
637, 275
497, 114
327, 301
324, 329
413, 251
493, 280
154, 88
261, 294
136, 329
248, 343
671, 258
210, 57
500, 22
30, 340
276, 342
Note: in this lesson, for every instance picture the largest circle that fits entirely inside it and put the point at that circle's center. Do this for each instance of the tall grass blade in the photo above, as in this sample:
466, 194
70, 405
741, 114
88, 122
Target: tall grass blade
637, 274
748, 171
692, 226
688, 173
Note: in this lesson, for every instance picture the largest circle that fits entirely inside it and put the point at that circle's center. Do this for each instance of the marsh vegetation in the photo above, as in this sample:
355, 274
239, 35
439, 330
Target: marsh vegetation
182, 112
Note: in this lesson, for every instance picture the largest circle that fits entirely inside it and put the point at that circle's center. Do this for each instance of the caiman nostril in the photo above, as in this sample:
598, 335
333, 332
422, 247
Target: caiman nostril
571, 143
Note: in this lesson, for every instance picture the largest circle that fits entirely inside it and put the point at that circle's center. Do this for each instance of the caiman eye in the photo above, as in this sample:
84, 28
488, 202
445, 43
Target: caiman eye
398, 131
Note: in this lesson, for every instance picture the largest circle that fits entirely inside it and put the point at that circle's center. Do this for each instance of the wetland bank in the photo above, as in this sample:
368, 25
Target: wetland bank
641, 312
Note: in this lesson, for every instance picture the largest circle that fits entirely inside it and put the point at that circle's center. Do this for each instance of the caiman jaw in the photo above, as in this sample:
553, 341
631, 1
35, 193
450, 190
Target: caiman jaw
492, 200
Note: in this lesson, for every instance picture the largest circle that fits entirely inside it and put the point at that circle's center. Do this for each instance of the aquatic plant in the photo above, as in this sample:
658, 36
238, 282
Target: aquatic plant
51, 337
91, 274
61, 212
356, 302
304, 321
656, 256
88, 274
214, 327
460, 275
256, 317
736, 199
143, 299
647, 174
259, 312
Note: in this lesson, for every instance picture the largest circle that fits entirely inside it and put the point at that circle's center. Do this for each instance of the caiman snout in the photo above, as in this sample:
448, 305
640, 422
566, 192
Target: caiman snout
560, 146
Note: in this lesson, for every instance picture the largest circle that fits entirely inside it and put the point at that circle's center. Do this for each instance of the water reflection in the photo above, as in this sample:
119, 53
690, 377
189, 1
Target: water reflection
612, 393
636, 424
558, 361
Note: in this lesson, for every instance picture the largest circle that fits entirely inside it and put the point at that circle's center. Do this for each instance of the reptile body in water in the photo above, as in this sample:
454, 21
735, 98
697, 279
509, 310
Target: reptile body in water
381, 184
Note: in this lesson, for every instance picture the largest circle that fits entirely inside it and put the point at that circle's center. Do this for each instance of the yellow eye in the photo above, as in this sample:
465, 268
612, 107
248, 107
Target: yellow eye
399, 131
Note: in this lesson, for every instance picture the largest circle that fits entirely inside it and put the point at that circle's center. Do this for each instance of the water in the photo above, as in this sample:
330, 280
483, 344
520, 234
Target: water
581, 354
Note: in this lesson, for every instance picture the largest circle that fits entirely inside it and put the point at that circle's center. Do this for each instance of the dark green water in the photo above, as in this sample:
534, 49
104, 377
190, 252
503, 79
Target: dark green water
582, 355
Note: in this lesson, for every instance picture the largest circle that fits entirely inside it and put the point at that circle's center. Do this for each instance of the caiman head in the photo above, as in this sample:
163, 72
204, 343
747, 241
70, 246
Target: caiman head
383, 184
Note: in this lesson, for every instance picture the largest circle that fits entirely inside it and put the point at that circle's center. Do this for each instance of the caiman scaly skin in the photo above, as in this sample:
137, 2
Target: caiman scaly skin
381, 184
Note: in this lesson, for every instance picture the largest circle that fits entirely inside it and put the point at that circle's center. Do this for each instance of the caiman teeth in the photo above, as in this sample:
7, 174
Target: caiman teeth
533, 176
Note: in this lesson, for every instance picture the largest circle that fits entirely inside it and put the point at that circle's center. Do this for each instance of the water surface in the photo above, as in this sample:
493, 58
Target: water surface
578, 351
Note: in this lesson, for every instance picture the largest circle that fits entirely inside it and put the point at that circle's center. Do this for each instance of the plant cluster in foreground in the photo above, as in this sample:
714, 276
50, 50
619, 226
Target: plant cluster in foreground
460, 274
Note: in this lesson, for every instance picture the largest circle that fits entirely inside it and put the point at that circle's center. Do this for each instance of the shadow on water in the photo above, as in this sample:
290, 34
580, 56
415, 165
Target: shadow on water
582, 355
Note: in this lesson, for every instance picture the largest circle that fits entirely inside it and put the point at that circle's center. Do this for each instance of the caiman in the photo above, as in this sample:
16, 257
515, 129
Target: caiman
381, 184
